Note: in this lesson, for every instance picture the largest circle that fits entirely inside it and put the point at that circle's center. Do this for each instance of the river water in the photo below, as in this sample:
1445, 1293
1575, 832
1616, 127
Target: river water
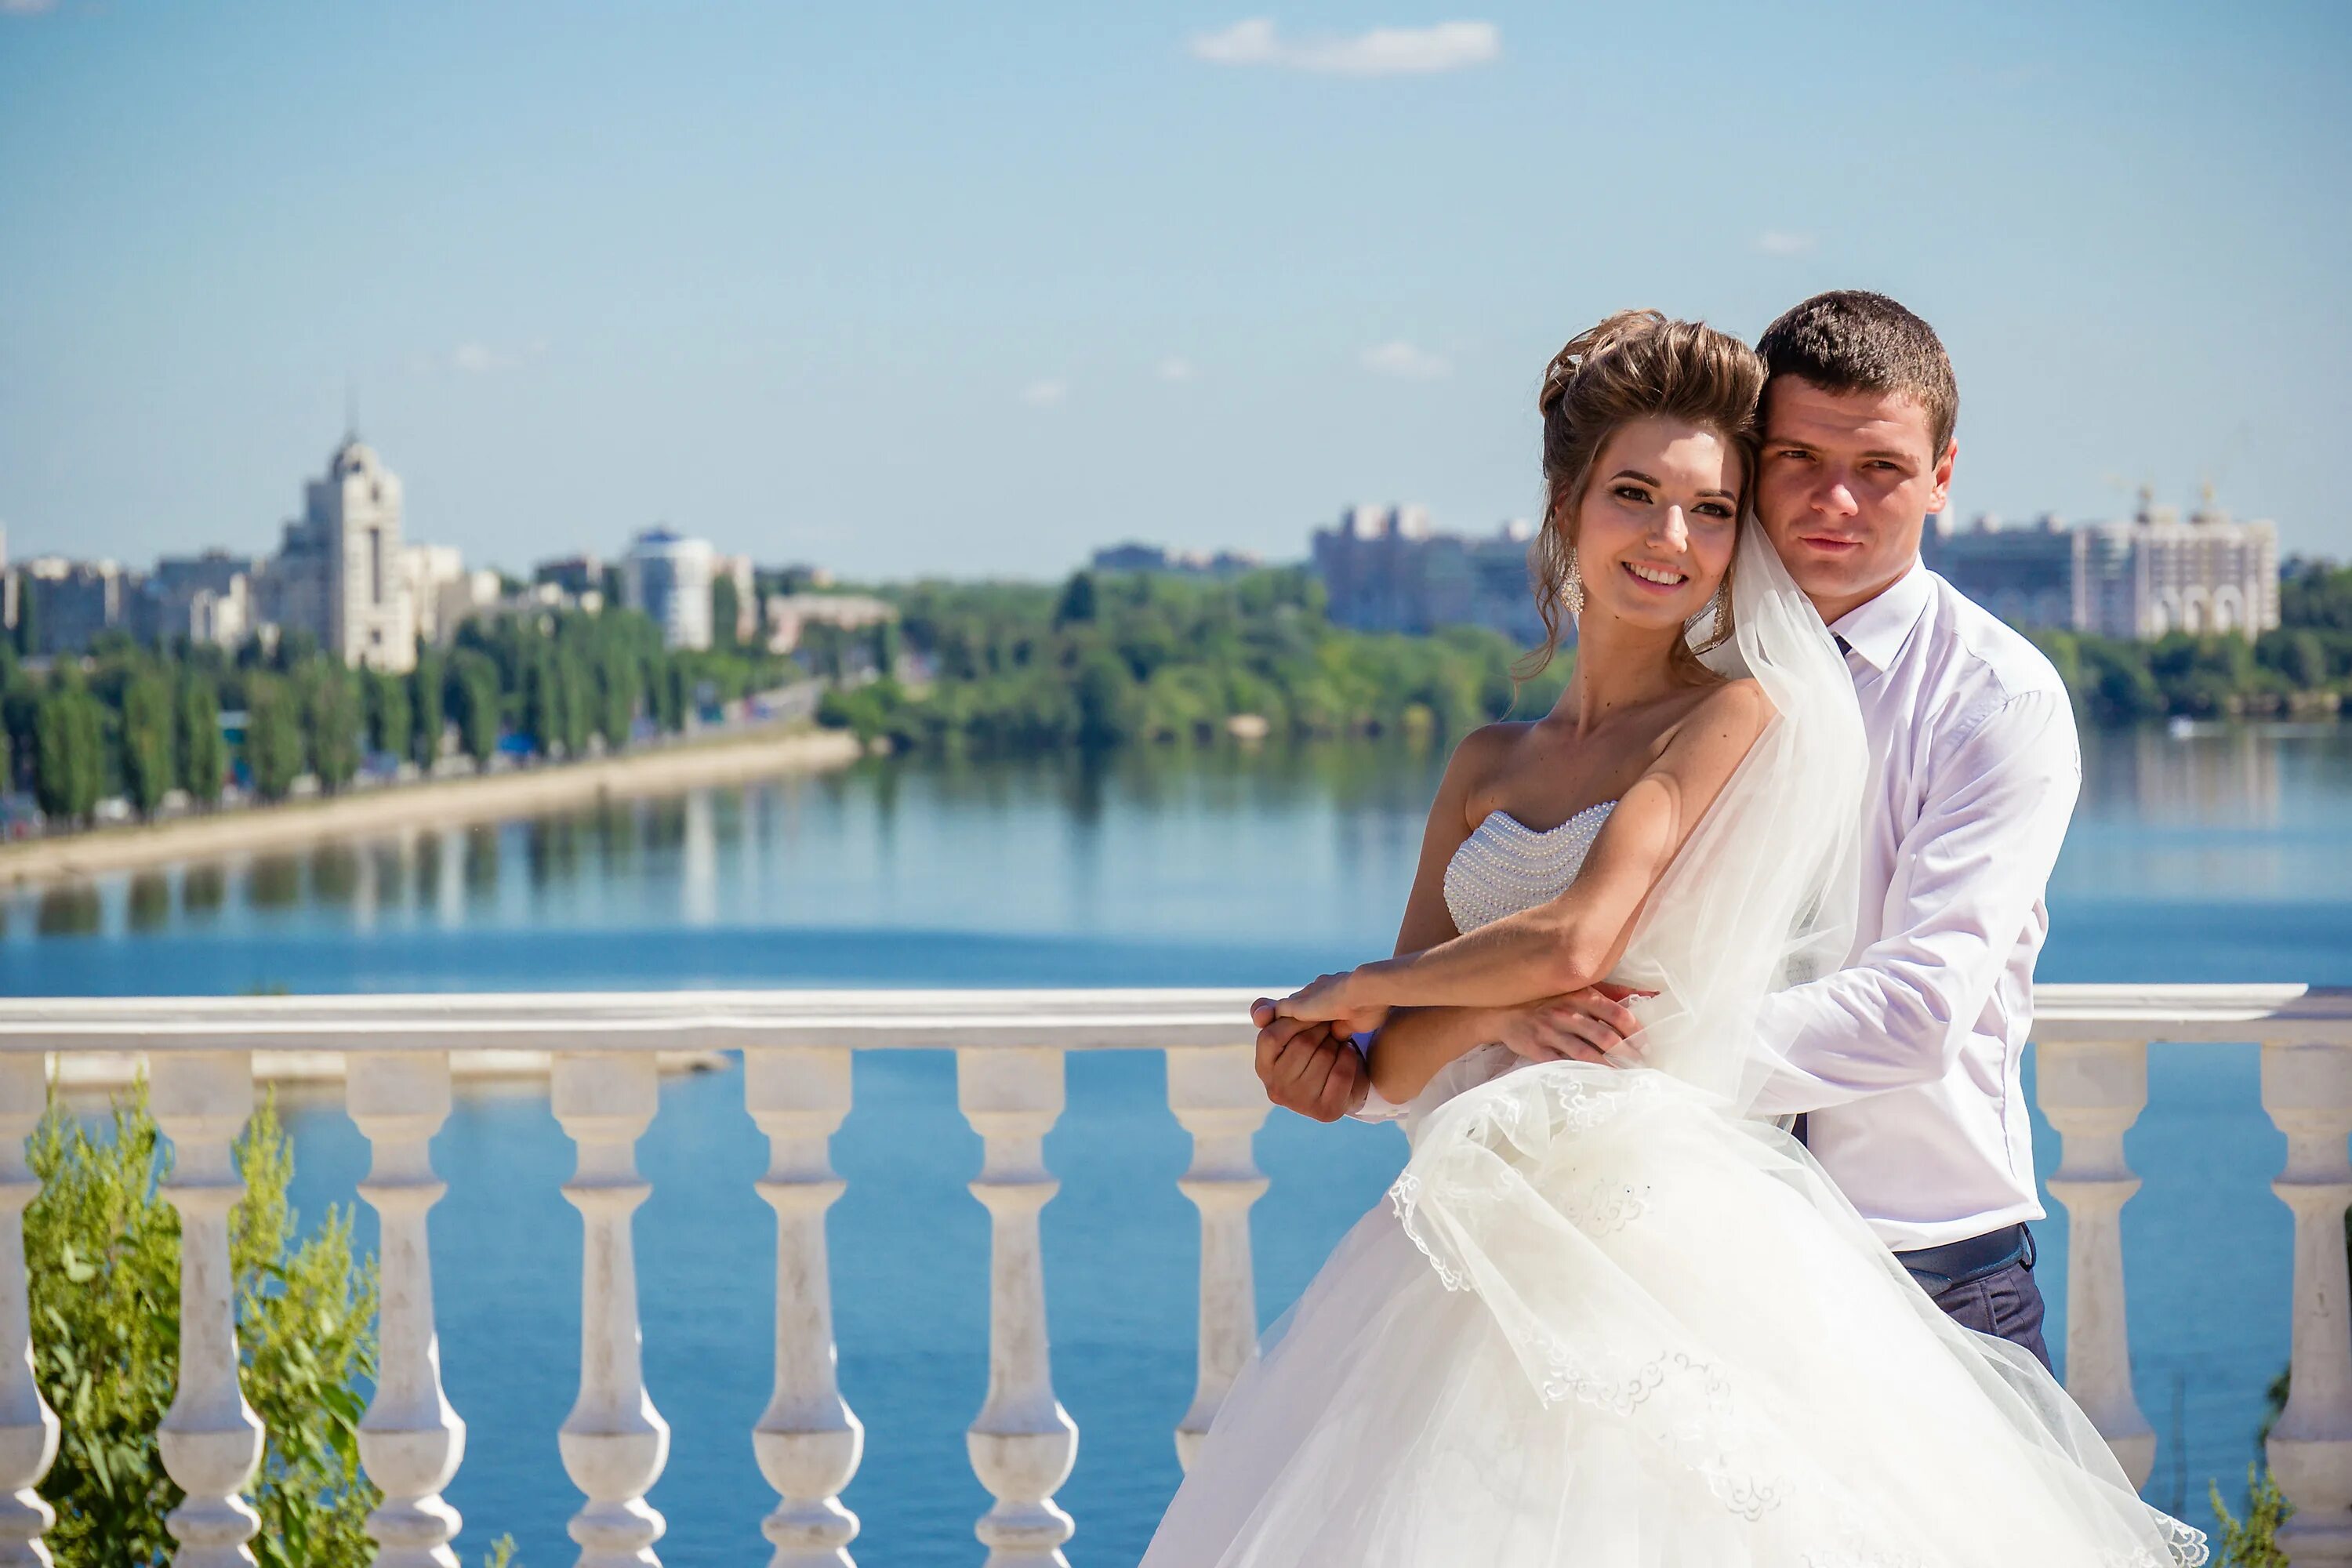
2223, 854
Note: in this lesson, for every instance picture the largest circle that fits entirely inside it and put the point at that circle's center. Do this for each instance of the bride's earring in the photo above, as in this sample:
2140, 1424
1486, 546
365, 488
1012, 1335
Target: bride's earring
1571, 587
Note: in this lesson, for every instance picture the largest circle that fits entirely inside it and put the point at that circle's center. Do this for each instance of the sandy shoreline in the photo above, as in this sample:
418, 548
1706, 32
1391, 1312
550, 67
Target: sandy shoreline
438, 802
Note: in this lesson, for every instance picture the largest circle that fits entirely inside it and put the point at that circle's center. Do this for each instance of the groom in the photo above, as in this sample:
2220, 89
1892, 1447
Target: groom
1903, 1067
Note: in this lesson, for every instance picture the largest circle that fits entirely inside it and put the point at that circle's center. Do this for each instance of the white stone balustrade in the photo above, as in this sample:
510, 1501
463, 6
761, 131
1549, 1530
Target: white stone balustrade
411, 1441
1217, 1098
210, 1438
798, 1047
1024, 1443
614, 1442
807, 1441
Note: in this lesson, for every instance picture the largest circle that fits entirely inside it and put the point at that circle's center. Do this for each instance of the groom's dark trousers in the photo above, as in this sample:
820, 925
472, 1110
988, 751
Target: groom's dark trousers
1978, 1289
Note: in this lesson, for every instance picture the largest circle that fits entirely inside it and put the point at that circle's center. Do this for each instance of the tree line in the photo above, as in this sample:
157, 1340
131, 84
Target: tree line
2302, 666
1101, 661
143, 722
1104, 661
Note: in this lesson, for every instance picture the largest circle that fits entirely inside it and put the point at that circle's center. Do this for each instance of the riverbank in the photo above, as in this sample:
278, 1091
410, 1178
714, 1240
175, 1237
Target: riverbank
438, 802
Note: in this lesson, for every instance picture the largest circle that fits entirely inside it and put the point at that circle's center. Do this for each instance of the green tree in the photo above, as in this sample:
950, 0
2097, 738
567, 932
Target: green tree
474, 680
273, 736
69, 764
150, 755
578, 720
542, 704
330, 707
726, 606
203, 758
28, 616
20, 715
616, 697
424, 688
1077, 602
388, 713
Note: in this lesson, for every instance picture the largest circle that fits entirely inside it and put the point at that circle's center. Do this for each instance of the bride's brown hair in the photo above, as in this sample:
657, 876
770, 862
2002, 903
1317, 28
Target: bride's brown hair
1636, 364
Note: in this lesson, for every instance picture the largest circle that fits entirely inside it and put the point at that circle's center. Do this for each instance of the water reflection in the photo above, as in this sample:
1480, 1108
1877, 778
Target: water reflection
1222, 844
150, 904
274, 882
335, 873
69, 908
204, 887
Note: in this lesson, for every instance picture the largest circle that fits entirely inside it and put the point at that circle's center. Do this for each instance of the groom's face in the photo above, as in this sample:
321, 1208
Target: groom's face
1845, 485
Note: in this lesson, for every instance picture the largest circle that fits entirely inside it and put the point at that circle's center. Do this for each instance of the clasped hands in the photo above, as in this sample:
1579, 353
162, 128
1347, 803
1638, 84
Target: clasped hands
1309, 1064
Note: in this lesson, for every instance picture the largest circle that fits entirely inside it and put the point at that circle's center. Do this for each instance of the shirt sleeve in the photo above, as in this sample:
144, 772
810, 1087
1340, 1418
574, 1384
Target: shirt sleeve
1374, 1108
1968, 876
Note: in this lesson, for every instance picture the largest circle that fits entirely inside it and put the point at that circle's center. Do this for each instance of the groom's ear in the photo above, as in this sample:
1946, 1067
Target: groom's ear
1940, 496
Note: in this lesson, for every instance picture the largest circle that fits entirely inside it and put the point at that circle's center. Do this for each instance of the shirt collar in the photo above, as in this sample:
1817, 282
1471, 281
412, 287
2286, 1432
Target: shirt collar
1877, 630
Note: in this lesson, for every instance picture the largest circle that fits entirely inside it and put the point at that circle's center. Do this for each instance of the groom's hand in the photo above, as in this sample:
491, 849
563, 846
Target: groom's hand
1588, 1025
1308, 1068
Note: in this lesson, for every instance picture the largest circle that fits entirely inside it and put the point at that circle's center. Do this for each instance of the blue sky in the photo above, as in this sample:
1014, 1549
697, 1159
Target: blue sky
906, 289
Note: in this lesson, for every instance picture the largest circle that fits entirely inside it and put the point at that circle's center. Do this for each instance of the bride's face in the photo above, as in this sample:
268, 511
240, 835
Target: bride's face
1655, 529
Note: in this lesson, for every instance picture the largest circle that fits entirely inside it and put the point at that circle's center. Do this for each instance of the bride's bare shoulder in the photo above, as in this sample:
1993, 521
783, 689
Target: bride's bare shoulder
1734, 712
1482, 753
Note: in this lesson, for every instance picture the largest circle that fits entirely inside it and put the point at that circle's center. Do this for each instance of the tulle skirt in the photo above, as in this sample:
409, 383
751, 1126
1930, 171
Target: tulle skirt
1604, 1324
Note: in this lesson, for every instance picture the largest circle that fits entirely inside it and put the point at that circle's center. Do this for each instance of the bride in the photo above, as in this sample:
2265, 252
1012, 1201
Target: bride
1612, 1320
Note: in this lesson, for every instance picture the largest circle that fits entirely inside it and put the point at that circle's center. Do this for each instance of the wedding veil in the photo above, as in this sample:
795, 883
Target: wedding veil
1762, 894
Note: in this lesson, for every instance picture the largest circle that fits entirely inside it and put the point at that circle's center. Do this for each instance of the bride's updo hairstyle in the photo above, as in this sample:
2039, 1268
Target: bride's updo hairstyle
1636, 364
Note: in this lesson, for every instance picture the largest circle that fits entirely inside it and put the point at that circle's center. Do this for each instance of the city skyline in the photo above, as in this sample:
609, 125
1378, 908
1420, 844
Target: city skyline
851, 289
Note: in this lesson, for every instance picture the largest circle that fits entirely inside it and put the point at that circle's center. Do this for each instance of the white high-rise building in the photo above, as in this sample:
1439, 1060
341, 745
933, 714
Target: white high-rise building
667, 576
340, 574
2157, 573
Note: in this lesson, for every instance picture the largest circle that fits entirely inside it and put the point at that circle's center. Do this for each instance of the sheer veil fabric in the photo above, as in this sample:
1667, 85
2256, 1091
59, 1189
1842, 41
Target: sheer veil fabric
1606, 1318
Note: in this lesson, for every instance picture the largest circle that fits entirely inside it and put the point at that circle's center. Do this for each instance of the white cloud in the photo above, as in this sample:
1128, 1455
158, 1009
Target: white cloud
1382, 51
1780, 242
1175, 367
1045, 394
1401, 359
27, 7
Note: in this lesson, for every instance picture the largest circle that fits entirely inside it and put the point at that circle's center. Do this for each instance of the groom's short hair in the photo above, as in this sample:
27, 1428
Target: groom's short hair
1850, 339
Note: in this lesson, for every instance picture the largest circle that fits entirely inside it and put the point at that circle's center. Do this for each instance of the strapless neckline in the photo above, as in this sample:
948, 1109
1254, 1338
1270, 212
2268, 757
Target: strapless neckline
1598, 807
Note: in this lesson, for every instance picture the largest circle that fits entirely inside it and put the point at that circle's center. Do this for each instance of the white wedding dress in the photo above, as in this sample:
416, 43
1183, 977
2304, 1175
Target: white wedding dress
1606, 1320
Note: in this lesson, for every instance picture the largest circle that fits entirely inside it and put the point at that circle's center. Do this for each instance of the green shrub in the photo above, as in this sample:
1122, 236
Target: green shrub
2253, 1541
102, 1250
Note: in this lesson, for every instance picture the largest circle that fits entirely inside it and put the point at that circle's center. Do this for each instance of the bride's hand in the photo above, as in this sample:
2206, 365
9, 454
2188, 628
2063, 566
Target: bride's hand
1327, 999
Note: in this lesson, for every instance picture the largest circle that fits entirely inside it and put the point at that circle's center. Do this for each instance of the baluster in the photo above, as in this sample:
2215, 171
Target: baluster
28, 1427
411, 1441
1024, 1443
807, 1440
2093, 1091
1218, 1099
2307, 1089
211, 1439
614, 1442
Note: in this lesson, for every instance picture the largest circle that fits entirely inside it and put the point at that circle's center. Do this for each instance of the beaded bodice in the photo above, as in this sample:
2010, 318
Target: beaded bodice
1506, 865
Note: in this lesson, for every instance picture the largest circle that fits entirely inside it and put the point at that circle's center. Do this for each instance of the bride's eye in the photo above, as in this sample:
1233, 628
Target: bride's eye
1714, 509
1634, 493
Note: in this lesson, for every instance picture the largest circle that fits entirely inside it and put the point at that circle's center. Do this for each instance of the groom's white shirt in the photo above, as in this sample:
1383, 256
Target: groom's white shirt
1908, 1060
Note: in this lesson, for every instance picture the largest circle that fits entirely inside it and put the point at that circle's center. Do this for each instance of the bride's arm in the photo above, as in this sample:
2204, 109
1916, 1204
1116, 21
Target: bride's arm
1573, 941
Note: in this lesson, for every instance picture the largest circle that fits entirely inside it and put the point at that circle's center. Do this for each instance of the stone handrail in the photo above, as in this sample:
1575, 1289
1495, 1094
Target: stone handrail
797, 1045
